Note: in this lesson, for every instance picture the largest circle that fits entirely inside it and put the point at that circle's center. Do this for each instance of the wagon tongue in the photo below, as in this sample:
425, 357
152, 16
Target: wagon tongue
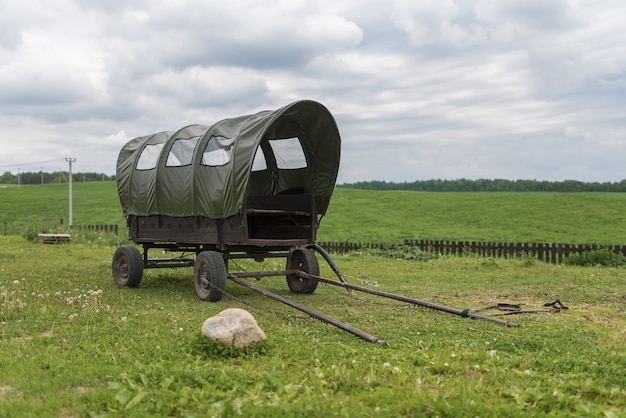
460, 312
313, 313
238, 278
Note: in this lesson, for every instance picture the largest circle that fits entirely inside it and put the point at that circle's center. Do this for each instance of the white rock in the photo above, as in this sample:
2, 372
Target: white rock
233, 327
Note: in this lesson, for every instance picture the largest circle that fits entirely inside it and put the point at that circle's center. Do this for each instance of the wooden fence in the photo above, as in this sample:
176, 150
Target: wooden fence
113, 229
547, 252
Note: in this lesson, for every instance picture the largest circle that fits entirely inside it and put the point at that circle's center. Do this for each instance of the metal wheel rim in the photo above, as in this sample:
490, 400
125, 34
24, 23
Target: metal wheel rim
297, 282
122, 267
300, 267
203, 282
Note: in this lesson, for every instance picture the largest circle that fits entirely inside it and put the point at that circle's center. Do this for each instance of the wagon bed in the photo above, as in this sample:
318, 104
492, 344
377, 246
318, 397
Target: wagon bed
280, 221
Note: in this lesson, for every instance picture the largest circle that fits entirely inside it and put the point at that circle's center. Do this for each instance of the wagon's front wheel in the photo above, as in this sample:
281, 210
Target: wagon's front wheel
209, 276
304, 260
127, 266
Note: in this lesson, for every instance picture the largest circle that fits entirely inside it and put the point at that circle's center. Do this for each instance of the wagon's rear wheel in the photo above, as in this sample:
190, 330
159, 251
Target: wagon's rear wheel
127, 266
304, 260
209, 276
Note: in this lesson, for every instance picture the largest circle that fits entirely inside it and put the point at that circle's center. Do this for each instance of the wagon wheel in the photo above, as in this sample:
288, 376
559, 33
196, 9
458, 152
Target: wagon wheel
304, 260
209, 276
127, 266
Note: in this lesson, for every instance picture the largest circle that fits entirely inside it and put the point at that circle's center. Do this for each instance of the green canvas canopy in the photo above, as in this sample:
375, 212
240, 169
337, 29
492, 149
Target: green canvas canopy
210, 171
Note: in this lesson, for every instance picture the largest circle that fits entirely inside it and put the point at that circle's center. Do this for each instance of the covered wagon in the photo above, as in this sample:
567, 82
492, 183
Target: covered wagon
254, 186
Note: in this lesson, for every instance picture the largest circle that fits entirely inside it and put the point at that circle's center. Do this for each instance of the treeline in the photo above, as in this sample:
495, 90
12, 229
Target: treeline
41, 177
488, 185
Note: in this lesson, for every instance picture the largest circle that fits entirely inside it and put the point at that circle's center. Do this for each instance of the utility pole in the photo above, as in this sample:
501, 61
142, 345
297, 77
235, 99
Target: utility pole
70, 160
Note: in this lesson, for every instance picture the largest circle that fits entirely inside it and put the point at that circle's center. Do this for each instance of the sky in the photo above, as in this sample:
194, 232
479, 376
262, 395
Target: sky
420, 89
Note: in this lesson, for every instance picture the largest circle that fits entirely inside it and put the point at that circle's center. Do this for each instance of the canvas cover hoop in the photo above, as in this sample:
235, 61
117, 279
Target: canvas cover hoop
210, 171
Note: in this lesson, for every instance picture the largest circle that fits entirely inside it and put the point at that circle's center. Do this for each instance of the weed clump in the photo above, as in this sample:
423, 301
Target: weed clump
404, 252
31, 234
602, 257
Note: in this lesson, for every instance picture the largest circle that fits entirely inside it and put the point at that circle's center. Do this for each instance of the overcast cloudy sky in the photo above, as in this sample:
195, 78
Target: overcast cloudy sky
420, 89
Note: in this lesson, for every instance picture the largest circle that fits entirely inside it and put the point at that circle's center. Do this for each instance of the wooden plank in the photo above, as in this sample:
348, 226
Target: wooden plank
53, 238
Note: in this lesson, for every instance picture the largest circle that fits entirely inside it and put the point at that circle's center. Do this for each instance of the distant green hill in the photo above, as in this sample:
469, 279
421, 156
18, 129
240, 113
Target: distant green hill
44, 206
370, 216
490, 185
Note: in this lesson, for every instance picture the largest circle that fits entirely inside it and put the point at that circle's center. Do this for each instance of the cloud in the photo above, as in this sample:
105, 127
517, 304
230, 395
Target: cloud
246, 34
428, 89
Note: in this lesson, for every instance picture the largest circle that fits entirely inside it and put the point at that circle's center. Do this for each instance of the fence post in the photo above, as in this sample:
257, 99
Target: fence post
581, 249
556, 255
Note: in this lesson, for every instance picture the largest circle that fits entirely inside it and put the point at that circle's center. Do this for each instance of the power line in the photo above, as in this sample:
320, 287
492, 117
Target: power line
17, 165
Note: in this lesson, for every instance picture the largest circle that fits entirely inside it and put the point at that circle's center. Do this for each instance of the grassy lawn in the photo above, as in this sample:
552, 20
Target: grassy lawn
73, 344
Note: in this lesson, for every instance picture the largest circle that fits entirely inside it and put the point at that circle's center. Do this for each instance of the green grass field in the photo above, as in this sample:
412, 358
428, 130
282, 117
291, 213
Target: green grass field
74, 344
381, 216
372, 216
43, 206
